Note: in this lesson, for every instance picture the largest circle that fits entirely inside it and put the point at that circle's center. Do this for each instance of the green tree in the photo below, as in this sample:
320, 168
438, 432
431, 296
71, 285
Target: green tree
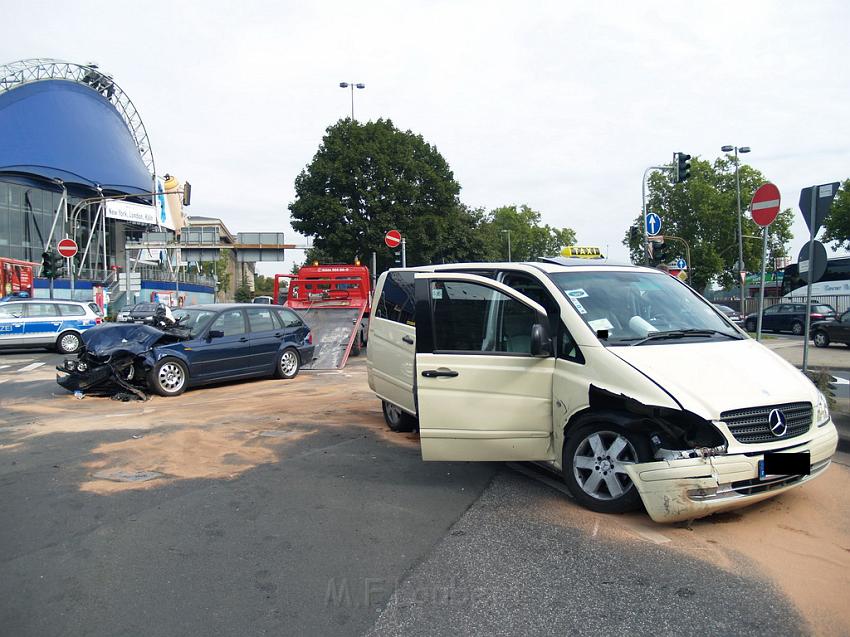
243, 294
263, 285
368, 178
703, 211
529, 239
220, 269
837, 222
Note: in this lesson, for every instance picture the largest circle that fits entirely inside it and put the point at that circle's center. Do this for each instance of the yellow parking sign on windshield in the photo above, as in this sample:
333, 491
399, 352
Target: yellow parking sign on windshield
582, 252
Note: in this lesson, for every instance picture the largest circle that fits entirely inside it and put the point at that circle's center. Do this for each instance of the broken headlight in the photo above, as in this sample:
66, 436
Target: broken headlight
70, 365
82, 366
821, 411
75, 366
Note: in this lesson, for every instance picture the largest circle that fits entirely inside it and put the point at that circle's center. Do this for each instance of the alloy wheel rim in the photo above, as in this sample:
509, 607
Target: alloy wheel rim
288, 363
70, 343
171, 377
819, 339
599, 465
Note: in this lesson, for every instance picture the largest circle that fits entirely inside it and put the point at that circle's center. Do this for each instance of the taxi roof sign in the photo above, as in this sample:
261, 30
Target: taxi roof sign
582, 252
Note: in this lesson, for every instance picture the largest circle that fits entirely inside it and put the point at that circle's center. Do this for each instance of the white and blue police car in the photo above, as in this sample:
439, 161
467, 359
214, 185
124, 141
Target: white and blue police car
44, 323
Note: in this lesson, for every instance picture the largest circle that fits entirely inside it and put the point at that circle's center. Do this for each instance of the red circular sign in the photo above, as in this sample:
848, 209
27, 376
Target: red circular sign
67, 248
765, 205
393, 239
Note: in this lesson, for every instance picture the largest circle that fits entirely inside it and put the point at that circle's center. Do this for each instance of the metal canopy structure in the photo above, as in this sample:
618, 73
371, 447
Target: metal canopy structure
32, 70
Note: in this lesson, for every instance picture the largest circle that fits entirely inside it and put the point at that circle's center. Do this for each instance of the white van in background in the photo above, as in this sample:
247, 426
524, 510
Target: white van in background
622, 378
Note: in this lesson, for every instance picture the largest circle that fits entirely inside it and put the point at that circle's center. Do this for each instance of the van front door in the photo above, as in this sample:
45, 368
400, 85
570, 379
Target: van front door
483, 383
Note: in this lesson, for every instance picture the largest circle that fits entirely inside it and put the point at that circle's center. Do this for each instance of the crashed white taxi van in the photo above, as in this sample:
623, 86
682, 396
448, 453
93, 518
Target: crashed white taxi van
622, 378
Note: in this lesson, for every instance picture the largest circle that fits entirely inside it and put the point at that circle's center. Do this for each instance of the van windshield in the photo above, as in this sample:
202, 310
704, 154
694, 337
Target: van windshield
631, 308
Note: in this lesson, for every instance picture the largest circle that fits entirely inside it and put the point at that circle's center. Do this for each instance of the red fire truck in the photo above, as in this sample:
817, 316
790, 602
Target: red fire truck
335, 300
16, 277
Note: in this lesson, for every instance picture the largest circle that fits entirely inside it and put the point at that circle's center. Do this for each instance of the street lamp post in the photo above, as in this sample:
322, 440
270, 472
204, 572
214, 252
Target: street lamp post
509, 243
737, 149
353, 85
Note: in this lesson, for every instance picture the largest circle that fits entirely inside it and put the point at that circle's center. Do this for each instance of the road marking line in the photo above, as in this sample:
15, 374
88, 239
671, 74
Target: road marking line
3, 380
30, 367
4, 366
837, 380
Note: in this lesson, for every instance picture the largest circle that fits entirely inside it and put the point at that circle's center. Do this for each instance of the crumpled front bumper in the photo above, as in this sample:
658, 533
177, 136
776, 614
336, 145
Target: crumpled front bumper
93, 377
692, 488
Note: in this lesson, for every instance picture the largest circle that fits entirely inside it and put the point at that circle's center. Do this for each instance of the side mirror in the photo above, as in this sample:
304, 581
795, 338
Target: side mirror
215, 334
541, 343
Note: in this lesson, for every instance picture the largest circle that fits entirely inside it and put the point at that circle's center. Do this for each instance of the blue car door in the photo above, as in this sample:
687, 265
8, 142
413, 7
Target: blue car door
42, 323
12, 324
266, 336
223, 351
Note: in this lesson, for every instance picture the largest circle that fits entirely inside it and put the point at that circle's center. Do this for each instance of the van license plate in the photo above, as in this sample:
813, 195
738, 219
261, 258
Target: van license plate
784, 464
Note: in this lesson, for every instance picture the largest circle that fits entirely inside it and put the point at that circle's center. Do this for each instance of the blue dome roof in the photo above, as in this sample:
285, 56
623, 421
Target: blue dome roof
69, 131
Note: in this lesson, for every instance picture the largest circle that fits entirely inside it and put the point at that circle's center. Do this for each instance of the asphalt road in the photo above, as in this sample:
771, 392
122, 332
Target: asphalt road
286, 507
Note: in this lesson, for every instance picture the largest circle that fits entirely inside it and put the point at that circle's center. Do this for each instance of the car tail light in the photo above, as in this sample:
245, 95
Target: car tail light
98, 320
817, 316
309, 338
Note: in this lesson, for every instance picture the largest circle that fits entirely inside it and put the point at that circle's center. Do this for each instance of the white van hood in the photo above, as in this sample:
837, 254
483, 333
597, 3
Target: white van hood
708, 378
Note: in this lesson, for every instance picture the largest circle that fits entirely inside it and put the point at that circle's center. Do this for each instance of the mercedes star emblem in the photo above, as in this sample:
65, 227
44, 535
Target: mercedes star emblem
778, 425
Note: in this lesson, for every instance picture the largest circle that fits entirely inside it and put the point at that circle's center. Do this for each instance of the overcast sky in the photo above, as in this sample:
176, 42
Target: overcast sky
557, 105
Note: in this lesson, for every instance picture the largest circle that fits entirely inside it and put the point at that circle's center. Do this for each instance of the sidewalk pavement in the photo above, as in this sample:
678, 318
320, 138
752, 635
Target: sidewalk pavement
834, 358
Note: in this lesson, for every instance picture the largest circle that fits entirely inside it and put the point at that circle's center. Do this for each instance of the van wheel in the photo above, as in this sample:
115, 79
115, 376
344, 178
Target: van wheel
68, 343
169, 377
398, 420
594, 461
821, 339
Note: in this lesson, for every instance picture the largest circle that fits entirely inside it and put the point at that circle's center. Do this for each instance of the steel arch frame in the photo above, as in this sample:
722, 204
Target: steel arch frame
31, 70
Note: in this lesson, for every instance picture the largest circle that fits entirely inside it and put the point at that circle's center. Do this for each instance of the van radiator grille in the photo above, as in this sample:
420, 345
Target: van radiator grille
751, 425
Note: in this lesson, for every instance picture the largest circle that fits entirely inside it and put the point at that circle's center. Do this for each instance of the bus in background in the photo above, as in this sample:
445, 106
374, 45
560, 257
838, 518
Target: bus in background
832, 288
836, 280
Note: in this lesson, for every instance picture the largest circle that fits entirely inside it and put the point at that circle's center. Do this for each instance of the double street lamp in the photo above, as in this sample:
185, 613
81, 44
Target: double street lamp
742, 150
353, 85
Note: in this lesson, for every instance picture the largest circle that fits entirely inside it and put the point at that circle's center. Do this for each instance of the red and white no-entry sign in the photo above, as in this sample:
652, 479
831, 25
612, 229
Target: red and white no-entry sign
392, 239
765, 205
67, 248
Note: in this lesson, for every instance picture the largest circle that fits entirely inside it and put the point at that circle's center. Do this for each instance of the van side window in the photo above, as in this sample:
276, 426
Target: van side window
534, 289
397, 302
469, 317
567, 347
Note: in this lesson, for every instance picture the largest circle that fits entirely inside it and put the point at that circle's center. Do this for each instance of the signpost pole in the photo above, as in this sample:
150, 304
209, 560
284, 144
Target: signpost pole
812, 232
374, 269
403, 252
761, 287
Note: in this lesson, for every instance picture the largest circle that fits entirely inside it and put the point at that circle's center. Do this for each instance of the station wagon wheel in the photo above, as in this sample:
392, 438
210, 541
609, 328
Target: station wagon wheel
796, 328
68, 343
821, 339
594, 467
169, 377
288, 364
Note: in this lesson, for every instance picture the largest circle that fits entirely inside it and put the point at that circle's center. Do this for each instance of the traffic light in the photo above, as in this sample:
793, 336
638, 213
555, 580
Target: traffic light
187, 193
58, 265
660, 253
681, 167
52, 264
47, 264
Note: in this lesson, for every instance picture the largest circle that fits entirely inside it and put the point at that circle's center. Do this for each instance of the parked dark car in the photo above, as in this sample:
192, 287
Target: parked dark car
204, 344
732, 315
834, 331
789, 317
143, 312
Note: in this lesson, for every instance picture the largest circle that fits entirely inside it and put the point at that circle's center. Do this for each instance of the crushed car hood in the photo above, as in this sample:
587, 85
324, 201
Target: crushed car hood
710, 378
135, 338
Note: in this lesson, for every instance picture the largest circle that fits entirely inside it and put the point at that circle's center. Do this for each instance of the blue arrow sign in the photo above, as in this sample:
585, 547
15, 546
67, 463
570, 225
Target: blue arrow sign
653, 224
681, 264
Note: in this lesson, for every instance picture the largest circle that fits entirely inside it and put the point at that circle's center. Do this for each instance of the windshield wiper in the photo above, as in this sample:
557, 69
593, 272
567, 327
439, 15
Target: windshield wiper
671, 334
